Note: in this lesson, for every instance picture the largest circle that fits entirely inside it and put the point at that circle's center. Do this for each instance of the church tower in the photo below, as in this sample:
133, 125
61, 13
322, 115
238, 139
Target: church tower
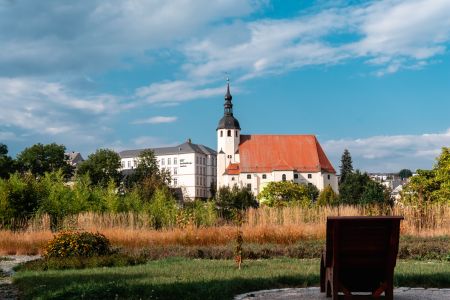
228, 137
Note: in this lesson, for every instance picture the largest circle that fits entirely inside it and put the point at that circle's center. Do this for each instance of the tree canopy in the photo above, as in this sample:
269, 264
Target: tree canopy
405, 173
359, 188
230, 200
39, 159
6, 162
283, 193
431, 185
346, 166
102, 166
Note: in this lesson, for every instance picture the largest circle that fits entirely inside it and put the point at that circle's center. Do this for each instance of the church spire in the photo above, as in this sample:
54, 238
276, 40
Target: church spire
228, 106
228, 121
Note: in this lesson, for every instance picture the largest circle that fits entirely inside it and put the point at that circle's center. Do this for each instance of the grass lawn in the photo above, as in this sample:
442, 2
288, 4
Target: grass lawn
180, 278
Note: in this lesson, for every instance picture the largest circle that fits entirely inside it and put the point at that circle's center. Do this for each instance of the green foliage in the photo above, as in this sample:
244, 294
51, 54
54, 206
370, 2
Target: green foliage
6, 162
102, 166
19, 199
430, 185
77, 244
346, 166
230, 200
57, 199
113, 260
358, 188
198, 213
282, 193
327, 197
405, 173
162, 209
39, 159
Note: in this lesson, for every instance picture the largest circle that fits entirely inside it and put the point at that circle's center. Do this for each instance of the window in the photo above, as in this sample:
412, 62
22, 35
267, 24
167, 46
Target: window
169, 161
175, 171
221, 133
229, 133
249, 176
309, 176
249, 186
204, 160
328, 176
163, 162
264, 176
236, 133
232, 178
296, 176
129, 164
175, 182
229, 156
283, 177
123, 164
175, 161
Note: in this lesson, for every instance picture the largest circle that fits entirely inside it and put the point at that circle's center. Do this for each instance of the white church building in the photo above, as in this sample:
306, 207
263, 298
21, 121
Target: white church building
254, 160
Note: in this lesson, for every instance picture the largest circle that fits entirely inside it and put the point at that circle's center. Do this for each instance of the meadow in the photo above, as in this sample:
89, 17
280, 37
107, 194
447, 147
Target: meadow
178, 278
263, 226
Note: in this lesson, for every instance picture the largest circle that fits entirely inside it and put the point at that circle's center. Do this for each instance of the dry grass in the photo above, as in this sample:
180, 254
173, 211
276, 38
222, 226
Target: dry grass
264, 225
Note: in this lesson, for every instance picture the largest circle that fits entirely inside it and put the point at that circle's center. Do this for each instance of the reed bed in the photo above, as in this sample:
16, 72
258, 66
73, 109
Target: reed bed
262, 226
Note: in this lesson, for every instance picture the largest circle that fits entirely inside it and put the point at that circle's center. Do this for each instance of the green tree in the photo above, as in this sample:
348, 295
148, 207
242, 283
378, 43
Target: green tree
147, 176
231, 200
282, 193
327, 197
19, 200
431, 185
57, 199
346, 166
102, 166
359, 188
6, 162
39, 159
404, 173
162, 210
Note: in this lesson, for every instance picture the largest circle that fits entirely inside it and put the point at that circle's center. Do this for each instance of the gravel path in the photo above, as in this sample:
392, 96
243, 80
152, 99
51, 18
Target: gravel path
7, 263
313, 293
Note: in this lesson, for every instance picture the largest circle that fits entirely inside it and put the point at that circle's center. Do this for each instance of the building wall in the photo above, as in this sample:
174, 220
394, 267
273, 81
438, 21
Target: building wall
257, 182
192, 172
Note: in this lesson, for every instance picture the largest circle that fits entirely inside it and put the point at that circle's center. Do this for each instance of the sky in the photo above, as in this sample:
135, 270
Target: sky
370, 76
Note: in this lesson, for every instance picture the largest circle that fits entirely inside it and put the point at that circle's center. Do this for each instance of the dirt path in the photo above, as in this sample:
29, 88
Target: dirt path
7, 290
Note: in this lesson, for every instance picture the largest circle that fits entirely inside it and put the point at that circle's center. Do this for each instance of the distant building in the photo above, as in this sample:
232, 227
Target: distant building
74, 158
255, 160
192, 167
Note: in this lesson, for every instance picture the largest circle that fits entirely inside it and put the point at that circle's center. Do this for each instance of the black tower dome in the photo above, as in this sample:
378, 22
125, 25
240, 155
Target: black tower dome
228, 121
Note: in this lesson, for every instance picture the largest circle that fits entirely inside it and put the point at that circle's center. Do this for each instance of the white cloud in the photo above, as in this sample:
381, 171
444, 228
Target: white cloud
7, 136
152, 142
67, 37
156, 120
175, 91
50, 109
390, 34
392, 152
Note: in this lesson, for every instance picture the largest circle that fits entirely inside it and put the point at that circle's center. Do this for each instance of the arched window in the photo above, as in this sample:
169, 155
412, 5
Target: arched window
229, 132
236, 133
221, 133
283, 177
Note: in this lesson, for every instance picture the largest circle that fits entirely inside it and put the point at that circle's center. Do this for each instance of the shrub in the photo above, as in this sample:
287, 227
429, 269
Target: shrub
77, 244
327, 197
284, 193
114, 260
230, 200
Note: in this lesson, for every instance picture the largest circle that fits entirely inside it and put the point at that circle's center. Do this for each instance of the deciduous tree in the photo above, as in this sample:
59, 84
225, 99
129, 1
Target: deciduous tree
102, 166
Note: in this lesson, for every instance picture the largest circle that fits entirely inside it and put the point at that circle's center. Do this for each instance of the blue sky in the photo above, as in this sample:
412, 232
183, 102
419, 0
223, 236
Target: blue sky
370, 76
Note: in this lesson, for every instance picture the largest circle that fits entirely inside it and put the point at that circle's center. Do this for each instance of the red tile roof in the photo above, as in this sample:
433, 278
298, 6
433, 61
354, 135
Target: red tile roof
232, 169
267, 153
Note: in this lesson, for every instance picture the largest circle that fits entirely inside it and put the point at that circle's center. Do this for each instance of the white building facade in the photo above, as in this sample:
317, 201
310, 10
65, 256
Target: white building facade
193, 167
255, 160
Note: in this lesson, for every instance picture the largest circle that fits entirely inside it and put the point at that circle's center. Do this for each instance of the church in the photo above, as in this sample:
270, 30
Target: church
252, 161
